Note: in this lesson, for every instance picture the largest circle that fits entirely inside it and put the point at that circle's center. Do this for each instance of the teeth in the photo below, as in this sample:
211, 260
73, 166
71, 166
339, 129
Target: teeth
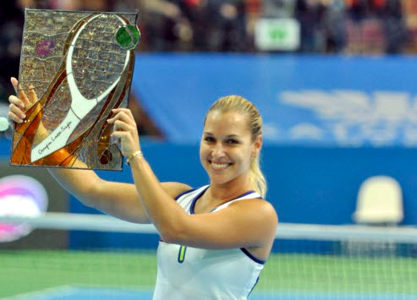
219, 166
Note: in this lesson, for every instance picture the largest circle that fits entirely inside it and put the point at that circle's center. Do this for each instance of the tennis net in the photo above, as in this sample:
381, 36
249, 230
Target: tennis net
309, 262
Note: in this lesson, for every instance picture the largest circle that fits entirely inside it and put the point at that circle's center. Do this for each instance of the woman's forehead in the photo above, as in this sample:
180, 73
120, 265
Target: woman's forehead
226, 122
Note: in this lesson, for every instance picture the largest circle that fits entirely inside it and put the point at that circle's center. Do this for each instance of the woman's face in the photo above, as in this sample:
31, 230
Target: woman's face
226, 147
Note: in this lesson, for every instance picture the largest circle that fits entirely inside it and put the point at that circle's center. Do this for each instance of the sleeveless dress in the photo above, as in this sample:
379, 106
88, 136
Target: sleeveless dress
194, 273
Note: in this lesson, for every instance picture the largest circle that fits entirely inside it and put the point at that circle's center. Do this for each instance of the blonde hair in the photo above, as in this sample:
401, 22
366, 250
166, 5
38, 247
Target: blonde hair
239, 104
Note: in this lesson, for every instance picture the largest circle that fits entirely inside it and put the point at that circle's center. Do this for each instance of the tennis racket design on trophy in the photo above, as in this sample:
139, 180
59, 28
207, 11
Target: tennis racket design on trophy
93, 69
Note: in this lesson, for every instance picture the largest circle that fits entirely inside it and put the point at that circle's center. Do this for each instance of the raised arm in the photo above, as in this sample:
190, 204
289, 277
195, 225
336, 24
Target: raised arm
115, 198
118, 199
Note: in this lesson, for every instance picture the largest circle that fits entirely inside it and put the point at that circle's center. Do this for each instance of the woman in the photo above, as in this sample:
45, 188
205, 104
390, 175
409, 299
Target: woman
214, 239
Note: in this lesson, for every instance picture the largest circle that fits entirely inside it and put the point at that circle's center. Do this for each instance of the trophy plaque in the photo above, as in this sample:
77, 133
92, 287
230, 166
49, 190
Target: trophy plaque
78, 66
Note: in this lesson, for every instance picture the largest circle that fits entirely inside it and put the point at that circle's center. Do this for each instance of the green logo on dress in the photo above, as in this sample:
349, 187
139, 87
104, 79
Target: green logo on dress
181, 254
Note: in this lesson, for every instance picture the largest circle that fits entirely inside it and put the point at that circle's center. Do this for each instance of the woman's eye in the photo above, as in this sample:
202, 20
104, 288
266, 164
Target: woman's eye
209, 139
232, 141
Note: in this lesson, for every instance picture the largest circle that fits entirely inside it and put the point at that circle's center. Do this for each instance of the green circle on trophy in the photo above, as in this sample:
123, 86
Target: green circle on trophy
128, 37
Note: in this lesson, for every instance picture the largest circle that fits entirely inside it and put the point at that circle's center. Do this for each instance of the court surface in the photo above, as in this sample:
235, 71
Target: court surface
82, 293
124, 275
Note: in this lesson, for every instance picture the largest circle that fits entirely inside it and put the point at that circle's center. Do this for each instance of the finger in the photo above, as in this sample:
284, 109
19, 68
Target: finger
22, 95
125, 110
16, 101
14, 118
33, 98
123, 116
17, 111
119, 135
121, 126
15, 83
19, 91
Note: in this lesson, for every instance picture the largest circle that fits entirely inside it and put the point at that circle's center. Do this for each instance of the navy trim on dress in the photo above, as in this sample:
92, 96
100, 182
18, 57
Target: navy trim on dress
183, 193
199, 195
237, 198
259, 261
195, 199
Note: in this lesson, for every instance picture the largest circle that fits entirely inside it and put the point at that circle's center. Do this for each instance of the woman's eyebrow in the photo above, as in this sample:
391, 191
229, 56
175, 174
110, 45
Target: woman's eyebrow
227, 136
232, 136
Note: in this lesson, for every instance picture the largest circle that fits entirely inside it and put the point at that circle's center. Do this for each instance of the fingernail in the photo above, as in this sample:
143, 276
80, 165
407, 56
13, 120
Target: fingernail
23, 116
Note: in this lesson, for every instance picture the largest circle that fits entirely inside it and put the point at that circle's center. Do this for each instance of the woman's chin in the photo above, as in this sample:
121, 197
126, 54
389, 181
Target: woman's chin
219, 179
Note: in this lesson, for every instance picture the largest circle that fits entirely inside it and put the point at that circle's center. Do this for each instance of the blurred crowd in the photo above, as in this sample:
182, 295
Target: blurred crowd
325, 26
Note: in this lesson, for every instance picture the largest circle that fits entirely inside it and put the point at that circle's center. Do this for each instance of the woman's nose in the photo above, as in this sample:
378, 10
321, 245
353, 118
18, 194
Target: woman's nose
217, 150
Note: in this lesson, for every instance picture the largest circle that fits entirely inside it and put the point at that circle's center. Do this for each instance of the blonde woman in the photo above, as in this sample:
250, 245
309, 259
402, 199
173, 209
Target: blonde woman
216, 238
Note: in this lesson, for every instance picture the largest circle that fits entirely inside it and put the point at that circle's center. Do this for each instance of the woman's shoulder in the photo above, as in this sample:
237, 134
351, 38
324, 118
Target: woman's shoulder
257, 206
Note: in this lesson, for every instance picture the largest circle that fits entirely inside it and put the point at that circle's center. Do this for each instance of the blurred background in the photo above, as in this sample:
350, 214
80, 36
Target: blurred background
334, 81
346, 27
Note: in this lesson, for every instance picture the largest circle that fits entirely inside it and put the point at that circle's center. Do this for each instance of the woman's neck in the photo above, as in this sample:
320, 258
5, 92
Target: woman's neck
230, 190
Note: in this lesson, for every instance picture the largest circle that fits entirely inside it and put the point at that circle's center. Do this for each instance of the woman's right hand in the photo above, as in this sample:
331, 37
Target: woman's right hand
21, 103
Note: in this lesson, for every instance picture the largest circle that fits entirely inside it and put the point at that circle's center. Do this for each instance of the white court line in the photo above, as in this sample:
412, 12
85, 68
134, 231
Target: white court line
45, 294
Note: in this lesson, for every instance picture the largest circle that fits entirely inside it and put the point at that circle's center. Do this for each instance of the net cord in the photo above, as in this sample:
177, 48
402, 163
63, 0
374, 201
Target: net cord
105, 223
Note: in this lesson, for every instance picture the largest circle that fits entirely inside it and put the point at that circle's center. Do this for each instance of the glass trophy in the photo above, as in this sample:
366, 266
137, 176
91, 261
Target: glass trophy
77, 66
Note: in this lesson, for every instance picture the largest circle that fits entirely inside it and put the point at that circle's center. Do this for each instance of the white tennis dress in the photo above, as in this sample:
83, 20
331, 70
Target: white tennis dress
194, 273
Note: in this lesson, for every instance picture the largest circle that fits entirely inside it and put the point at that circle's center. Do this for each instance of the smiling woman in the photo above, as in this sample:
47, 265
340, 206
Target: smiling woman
216, 238
242, 122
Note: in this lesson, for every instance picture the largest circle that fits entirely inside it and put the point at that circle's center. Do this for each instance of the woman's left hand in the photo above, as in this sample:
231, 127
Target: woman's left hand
125, 130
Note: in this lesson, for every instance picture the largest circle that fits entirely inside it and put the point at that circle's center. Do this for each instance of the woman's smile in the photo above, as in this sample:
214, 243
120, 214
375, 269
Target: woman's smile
219, 166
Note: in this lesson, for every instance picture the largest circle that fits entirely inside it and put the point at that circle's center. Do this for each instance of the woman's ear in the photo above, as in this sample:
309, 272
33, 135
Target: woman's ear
257, 145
